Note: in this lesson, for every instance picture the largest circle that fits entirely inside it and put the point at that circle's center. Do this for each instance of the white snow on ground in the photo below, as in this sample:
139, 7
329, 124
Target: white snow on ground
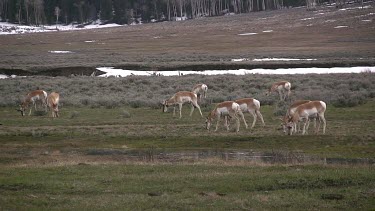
305, 19
281, 59
267, 31
239, 60
353, 8
9, 28
339, 27
61, 52
110, 71
246, 34
11, 76
271, 59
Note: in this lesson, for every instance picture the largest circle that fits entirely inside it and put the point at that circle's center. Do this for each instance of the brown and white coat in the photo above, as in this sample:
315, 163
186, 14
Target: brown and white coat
291, 110
179, 99
225, 109
33, 98
282, 88
53, 103
200, 89
303, 112
251, 106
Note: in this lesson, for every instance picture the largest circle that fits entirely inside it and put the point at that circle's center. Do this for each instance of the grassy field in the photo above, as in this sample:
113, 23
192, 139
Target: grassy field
187, 187
79, 161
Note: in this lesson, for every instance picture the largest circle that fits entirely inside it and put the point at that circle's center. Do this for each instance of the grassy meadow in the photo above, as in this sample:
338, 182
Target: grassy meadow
80, 161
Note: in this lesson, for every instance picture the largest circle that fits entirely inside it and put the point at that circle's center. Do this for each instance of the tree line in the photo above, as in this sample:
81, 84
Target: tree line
39, 12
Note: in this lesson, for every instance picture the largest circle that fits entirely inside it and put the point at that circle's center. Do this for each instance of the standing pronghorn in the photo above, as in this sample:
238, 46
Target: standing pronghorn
252, 106
303, 112
199, 89
33, 97
228, 110
181, 98
53, 103
281, 87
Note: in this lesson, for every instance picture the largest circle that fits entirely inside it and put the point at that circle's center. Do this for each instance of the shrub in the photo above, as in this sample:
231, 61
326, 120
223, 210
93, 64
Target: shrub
125, 114
74, 114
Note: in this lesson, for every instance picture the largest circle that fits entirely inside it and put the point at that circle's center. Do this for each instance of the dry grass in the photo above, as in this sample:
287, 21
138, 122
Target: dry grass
203, 43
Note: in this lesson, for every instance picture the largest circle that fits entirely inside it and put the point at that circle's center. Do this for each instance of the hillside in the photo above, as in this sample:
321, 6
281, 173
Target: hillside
330, 36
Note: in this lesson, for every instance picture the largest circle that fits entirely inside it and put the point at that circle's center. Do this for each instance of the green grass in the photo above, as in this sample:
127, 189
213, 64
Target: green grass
59, 163
181, 186
349, 132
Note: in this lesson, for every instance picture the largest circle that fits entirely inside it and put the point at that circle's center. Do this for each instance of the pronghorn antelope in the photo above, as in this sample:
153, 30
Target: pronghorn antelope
53, 103
252, 106
228, 110
289, 113
199, 89
33, 97
181, 98
303, 112
281, 87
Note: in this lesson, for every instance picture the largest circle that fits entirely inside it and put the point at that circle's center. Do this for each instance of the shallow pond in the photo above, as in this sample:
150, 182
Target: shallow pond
273, 157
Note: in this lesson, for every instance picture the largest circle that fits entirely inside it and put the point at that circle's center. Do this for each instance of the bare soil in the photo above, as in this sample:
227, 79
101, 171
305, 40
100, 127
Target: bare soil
207, 43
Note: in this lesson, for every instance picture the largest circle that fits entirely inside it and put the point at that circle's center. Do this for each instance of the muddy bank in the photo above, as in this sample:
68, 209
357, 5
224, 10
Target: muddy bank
58, 71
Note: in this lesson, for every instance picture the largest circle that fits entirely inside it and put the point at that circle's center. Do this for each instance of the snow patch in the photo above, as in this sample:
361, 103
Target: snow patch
267, 31
9, 28
247, 34
109, 71
90, 41
305, 19
239, 60
61, 52
339, 27
281, 59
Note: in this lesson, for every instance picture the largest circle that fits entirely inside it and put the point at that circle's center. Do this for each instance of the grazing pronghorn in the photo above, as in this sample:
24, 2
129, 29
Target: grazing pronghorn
181, 98
200, 89
281, 87
228, 110
33, 97
252, 106
305, 111
289, 113
53, 103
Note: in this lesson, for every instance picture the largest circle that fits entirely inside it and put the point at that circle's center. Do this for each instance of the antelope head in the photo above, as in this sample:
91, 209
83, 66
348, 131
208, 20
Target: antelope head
164, 106
22, 109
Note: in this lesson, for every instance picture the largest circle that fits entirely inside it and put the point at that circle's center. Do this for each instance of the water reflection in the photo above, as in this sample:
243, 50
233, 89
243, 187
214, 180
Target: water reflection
273, 157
